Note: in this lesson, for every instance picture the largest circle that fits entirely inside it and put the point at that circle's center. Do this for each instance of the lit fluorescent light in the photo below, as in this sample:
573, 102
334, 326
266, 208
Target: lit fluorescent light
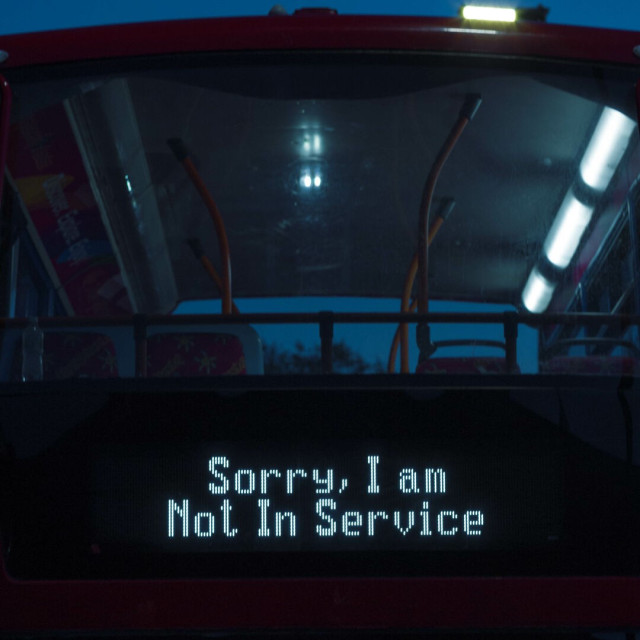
305, 181
537, 293
608, 144
488, 14
567, 229
317, 181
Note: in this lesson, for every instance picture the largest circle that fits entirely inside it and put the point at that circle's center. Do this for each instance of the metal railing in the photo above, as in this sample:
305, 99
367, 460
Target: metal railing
326, 321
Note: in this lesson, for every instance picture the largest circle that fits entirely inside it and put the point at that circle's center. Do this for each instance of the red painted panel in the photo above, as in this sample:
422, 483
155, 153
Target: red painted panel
303, 31
460, 603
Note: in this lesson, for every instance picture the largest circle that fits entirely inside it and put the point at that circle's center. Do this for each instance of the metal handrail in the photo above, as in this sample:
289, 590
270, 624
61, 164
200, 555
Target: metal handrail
469, 342
583, 319
326, 321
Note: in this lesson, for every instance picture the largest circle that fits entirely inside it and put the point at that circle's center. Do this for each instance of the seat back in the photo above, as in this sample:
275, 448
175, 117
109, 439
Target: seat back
109, 352
590, 365
467, 365
192, 351
608, 362
71, 353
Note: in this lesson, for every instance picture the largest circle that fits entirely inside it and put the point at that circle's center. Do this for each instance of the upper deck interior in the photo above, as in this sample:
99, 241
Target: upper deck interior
318, 157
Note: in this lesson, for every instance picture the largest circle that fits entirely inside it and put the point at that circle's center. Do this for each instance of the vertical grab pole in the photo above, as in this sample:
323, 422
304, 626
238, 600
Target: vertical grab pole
5, 108
140, 338
325, 320
469, 108
182, 155
638, 103
511, 340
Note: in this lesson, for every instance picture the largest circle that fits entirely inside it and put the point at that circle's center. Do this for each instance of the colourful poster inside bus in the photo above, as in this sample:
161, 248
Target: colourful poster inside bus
46, 164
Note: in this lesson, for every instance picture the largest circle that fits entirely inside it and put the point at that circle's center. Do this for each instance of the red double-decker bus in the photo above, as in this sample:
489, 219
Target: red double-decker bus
320, 325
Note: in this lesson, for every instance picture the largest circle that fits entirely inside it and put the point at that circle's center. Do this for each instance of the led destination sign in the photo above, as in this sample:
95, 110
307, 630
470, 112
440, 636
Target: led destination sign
328, 520
332, 496
304, 484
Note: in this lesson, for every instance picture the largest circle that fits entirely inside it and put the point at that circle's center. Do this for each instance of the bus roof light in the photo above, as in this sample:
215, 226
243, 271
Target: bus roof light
488, 14
504, 14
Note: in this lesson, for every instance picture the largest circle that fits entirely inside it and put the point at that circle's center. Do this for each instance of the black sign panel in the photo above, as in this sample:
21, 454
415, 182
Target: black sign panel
296, 482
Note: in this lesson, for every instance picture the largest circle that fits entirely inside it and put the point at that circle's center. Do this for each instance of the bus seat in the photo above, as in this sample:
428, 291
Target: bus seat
590, 365
189, 351
70, 354
467, 365
584, 362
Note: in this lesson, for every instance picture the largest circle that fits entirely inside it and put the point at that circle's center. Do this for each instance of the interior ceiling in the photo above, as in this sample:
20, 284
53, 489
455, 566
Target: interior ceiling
353, 230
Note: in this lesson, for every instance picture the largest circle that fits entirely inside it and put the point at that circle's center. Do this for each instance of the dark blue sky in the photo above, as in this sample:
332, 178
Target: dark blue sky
35, 15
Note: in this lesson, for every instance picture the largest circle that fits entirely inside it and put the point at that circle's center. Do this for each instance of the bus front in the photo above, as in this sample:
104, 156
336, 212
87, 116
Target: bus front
320, 323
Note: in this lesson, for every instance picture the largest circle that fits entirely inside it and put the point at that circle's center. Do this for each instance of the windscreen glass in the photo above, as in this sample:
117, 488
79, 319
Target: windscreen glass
236, 185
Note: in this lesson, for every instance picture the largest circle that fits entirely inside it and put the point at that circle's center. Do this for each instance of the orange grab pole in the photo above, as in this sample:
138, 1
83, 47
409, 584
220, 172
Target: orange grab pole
468, 111
180, 150
213, 274
402, 332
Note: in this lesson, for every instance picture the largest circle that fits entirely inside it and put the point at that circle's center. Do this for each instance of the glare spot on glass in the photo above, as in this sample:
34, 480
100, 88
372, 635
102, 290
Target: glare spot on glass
311, 144
128, 181
475, 32
310, 177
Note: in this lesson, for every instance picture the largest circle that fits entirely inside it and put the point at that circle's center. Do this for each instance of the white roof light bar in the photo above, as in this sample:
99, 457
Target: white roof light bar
567, 229
537, 293
606, 148
488, 14
604, 152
